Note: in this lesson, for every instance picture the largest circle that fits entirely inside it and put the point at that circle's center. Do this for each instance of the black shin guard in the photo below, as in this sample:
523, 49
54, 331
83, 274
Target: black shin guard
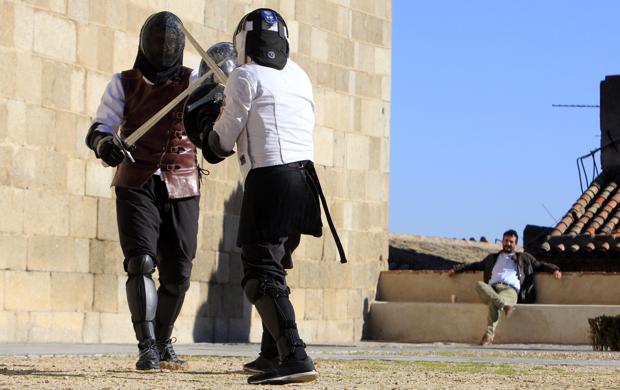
278, 316
141, 295
171, 296
268, 348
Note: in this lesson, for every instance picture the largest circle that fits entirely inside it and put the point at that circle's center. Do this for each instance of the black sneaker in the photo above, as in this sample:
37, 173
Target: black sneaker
168, 359
290, 371
261, 364
148, 358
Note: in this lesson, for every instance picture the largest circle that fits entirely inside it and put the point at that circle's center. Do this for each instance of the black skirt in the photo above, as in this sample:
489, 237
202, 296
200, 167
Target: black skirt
280, 201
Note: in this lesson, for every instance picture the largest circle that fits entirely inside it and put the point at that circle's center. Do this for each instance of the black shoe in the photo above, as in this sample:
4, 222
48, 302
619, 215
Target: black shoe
148, 359
168, 359
290, 371
261, 364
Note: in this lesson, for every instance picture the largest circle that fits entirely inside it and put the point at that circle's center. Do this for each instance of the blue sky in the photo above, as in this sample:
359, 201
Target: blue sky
476, 147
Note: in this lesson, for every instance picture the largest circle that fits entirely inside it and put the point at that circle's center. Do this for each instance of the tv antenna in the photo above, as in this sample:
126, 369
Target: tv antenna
576, 105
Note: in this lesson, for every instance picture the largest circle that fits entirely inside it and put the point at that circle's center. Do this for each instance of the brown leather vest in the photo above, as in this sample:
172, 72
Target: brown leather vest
166, 145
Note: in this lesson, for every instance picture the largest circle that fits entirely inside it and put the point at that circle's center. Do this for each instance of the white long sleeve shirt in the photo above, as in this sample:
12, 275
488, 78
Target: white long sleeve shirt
110, 111
269, 114
506, 271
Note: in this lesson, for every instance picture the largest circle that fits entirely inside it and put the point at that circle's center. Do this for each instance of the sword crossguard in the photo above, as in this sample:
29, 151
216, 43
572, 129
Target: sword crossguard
125, 148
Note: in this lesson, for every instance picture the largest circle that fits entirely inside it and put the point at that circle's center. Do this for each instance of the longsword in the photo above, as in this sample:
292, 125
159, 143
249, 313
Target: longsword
127, 144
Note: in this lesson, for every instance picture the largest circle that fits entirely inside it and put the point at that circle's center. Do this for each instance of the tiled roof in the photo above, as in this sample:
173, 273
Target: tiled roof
592, 223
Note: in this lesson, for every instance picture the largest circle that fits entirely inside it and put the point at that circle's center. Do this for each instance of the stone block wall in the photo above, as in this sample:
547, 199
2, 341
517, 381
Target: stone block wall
61, 275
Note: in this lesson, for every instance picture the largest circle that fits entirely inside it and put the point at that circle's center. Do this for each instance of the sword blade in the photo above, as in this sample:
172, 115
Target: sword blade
219, 73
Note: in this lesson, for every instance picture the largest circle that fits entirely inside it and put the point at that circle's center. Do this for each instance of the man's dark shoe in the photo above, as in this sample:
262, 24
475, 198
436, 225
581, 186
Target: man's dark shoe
168, 359
486, 340
508, 310
148, 358
261, 364
290, 371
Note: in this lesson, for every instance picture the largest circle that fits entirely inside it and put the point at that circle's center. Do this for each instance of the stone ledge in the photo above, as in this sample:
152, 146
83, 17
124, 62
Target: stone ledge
465, 322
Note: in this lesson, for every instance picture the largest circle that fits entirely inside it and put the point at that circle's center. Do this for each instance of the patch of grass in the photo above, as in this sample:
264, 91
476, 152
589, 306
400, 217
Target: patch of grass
448, 367
190, 358
505, 371
531, 354
204, 358
375, 365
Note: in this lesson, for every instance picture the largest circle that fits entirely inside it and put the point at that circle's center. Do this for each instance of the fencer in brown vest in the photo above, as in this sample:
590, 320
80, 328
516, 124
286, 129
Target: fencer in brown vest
157, 196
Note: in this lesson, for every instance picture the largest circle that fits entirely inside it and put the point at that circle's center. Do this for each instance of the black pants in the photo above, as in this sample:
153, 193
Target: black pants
166, 229
269, 260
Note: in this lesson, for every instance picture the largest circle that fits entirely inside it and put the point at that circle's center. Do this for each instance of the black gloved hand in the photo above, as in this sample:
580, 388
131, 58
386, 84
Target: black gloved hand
108, 151
206, 119
201, 110
212, 148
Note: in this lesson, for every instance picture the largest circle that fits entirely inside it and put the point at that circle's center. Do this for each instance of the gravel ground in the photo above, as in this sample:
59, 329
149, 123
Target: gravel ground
224, 372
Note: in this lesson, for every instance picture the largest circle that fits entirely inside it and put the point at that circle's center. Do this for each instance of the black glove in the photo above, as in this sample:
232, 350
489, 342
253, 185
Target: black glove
207, 117
103, 145
201, 110
109, 151
212, 149
202, 123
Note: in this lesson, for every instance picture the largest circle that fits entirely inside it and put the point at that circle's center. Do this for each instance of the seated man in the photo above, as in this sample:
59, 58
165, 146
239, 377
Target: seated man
508, 278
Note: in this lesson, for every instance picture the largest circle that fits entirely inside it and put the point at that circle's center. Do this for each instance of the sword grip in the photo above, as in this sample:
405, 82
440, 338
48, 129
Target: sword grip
124, 148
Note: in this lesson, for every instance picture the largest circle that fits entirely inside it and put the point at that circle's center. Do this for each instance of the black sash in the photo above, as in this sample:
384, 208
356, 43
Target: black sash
317, 186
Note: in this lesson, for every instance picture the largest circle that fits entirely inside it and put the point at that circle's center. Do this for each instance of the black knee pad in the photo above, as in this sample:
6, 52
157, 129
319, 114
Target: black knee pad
140, 265
253, 290
276, 290
141, 295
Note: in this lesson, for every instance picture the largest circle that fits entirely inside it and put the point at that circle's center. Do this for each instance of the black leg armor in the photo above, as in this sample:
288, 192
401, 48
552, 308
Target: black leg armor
271, 300
171, 296
264, 284
141, 295
268, 347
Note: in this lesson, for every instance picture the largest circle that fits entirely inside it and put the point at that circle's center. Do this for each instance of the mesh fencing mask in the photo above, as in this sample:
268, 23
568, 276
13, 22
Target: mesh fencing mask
162, 40
223, 54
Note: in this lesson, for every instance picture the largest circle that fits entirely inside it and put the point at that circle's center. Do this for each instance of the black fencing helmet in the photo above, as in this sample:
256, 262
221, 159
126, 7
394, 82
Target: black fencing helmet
262, 35
223, 54
162, 40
